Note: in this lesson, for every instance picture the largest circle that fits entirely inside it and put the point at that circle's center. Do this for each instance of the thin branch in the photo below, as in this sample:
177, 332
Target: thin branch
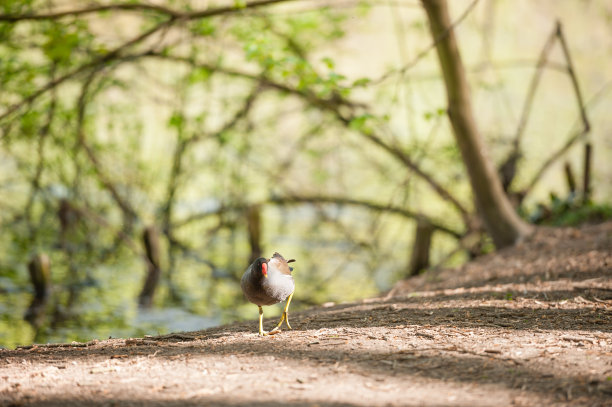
339, 4
586, 126
126, 208
432, 46
405, 159
174, 14
393, 150
572, 73
182, 148
121, 234
507, 169
56, 15
533, 86
333, 105
92, 64
232, 9
321, 199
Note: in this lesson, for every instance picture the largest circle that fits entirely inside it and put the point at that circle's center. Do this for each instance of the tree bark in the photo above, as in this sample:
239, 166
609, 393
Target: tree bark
253, 215
569, 177
150, 238
502, 222
586, 182
40, 277
419, 259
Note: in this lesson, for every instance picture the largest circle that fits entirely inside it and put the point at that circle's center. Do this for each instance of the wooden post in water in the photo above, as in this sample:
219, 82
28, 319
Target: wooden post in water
419, 260
40, 277
586, 183
150, 238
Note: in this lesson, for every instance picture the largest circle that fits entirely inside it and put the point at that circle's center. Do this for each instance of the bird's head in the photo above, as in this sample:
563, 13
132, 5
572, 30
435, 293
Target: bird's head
262, 265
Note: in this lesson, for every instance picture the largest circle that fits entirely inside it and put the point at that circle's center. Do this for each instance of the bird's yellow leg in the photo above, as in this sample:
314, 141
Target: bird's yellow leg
261, 330
285, 315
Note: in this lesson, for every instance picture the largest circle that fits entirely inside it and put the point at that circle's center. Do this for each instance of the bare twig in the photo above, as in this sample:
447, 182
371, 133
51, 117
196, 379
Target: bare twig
586, 126
124, 205
405, 159
572, 73
175, 14
432, 46
322, 199
533, 86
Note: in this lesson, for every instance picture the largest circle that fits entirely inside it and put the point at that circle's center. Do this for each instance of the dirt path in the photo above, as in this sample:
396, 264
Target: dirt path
481, 339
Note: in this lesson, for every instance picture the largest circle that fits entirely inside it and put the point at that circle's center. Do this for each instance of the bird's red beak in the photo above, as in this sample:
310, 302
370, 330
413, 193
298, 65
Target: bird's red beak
264, 269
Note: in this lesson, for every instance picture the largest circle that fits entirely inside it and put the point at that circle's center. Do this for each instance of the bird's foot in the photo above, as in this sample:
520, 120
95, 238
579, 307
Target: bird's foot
268, 333
285, 318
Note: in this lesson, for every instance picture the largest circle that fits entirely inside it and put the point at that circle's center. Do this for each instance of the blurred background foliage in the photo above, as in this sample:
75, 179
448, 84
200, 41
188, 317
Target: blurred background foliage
227, 129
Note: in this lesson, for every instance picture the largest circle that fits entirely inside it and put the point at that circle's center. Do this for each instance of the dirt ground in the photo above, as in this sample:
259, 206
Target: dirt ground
528, 326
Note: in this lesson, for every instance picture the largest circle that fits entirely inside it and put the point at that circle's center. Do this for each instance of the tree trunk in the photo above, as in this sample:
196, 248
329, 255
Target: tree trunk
419, 259
586, 183
150, 238
253, 215
40, 277
569, 177
502, 222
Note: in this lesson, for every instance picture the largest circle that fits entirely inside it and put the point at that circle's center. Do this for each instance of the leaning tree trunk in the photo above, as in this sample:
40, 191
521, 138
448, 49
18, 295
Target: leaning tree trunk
496, 211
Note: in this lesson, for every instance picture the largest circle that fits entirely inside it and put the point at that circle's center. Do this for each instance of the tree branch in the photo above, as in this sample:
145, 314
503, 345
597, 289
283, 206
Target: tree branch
174, 14
533, 86
322, 199
92, 64
432, 46
586, 126
182, 147
126, 208
572, 73
332, 105
56, 15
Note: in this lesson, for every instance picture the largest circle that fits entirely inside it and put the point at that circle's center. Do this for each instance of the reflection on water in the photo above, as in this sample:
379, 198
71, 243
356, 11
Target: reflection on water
174, 320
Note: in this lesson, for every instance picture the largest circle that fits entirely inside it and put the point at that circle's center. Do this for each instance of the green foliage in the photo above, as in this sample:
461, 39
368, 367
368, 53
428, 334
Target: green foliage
363, 123
571, 211
204, 28
434, 114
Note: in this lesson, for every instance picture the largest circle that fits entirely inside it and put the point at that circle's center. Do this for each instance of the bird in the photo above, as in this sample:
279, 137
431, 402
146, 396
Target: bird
267, 282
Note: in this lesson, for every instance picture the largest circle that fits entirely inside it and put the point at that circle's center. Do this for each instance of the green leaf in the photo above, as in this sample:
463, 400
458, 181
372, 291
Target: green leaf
176, 120
328, 62
361, 123
204, 28
198, 75
361, 82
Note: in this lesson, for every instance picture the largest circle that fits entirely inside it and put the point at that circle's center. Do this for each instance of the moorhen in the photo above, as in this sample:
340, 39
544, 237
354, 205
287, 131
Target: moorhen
267, 282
